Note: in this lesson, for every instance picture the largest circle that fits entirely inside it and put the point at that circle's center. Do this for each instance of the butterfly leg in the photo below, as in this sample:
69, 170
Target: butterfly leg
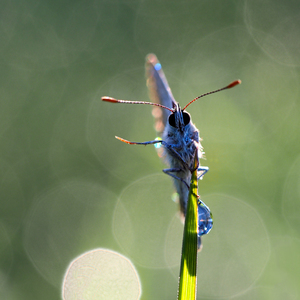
173, 152
136, 143
171, 170
202, 169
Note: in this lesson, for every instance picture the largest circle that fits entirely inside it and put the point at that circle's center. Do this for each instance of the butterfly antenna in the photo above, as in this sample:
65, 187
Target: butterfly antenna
113, 100
229, 86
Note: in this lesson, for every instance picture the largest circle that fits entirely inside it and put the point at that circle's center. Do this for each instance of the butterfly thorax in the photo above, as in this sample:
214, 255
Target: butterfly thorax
183, 137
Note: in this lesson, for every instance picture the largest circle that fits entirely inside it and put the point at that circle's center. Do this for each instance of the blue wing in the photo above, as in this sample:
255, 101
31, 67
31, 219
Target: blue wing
159, 92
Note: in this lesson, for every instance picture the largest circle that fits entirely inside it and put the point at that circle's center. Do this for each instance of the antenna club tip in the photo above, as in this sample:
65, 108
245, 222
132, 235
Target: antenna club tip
122, 140
109, 99
234, 83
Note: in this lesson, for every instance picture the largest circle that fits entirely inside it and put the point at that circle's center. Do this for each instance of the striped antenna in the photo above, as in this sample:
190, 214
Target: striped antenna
229, 86
113, 100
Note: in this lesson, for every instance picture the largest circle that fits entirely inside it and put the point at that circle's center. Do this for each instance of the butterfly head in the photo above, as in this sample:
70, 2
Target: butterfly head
179, 118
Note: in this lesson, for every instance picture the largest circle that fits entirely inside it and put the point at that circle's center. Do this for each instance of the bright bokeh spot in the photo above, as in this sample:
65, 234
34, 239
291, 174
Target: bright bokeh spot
101, 274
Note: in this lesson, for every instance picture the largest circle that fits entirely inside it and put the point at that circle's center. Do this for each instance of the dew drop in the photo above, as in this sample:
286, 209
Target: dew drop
205, 220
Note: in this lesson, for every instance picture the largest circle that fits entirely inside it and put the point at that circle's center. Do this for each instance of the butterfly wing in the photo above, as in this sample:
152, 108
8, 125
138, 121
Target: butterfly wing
159, 92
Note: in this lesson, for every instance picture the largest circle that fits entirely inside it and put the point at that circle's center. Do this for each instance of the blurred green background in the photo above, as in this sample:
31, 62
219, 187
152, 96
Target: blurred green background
68, 186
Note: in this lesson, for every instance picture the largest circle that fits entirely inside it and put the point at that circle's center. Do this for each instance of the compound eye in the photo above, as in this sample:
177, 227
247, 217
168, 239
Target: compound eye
186, 118
172, 120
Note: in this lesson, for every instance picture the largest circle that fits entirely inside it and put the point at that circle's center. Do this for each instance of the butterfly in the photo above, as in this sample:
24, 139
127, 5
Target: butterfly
179, 140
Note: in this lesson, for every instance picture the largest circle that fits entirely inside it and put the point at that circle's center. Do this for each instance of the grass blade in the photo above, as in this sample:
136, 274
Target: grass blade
188, 268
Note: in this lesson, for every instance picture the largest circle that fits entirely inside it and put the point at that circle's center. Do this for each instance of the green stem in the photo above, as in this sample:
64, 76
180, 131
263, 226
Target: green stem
188, 268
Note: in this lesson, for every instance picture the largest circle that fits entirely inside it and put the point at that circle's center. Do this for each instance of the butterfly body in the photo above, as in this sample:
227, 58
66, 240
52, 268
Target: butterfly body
183, 139
178, 136
176, 129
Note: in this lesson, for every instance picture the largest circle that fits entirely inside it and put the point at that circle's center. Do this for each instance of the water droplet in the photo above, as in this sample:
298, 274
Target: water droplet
157, 145
205, 220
